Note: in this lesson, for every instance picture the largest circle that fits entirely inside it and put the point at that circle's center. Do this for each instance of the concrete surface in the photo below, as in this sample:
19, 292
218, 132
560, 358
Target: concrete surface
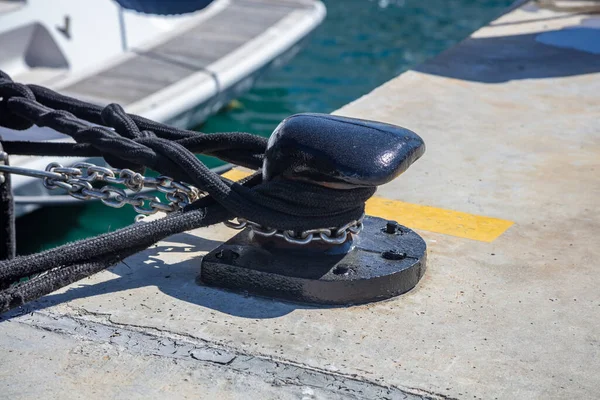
511, 125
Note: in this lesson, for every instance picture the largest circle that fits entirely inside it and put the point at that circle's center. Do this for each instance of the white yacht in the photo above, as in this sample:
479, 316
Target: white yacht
156, 58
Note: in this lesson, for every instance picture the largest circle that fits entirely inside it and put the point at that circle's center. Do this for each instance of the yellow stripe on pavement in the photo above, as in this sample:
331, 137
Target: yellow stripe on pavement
428, 218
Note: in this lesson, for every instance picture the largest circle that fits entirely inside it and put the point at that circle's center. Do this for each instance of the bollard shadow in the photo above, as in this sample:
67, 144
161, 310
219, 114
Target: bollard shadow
560, 53
171, 267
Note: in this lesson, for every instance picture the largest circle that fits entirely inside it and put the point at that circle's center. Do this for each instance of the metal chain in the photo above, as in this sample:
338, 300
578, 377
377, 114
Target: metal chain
328, 235
78, 179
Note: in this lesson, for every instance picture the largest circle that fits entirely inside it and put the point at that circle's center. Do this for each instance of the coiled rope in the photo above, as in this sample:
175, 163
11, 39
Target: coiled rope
134, 142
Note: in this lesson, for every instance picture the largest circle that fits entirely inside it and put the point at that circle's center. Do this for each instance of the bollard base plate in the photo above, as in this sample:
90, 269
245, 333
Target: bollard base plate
381, 263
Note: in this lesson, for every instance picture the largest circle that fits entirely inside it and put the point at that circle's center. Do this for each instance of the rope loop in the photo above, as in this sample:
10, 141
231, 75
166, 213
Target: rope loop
136, 143
48, 117
8, 90
114, 116
147, 135
290, 206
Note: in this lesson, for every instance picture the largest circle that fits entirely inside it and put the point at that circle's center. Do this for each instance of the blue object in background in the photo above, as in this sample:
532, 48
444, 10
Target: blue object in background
579, 38
163, 7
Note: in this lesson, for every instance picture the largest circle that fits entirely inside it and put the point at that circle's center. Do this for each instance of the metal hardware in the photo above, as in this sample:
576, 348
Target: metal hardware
61, 200
331, 265
333, 236
34, 173
78, 181
393, 255
375, 266
391, 227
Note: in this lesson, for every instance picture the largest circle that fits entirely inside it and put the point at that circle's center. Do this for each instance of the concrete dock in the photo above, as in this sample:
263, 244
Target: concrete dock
507, 198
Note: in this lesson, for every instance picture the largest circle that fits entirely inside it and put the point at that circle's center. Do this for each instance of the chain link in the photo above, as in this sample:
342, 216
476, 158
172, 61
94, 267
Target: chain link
78, 179
328, 235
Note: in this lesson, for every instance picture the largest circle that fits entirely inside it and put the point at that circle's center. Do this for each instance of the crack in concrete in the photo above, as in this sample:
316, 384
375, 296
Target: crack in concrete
162, 343
106, 319
435, 395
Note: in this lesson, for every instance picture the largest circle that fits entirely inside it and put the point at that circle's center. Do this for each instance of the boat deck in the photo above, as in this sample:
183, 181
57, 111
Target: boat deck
192, 73
507, 198
148, 71
216, 53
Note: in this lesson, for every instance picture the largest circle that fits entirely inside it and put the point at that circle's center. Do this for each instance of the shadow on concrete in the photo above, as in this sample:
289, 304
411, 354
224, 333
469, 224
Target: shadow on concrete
162, 267
560, 53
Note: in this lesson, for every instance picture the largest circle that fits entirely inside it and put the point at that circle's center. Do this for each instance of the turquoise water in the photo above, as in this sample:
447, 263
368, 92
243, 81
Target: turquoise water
361, 44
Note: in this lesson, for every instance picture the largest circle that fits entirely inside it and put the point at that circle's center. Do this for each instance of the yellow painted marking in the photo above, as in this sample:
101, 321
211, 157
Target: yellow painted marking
427, 218
235, 174
440, 220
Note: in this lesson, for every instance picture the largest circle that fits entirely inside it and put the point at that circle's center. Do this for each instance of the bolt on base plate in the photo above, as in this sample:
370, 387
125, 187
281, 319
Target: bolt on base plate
384, 261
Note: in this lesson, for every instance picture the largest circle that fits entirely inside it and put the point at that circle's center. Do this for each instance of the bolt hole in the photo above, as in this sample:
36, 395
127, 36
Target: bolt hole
341, 270
393, 255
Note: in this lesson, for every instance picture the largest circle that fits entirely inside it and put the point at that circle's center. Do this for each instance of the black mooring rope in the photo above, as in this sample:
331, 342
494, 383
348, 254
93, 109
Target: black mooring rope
7, 216
130, 141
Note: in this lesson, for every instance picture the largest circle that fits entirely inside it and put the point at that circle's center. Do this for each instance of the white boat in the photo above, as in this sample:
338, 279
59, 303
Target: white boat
177, 69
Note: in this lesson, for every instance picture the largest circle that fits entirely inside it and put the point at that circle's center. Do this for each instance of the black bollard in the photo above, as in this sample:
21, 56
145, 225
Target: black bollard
386, 259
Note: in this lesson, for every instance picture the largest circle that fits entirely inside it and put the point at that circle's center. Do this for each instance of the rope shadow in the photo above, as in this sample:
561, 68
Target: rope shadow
161, 266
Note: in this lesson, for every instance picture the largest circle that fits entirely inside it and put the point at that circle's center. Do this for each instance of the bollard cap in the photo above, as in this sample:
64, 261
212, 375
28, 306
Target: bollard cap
339, 152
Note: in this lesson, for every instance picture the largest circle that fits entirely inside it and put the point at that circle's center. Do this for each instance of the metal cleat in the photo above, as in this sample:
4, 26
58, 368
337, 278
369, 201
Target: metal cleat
337, 266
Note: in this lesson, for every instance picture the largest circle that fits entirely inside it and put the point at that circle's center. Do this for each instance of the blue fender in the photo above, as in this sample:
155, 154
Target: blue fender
164, 7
